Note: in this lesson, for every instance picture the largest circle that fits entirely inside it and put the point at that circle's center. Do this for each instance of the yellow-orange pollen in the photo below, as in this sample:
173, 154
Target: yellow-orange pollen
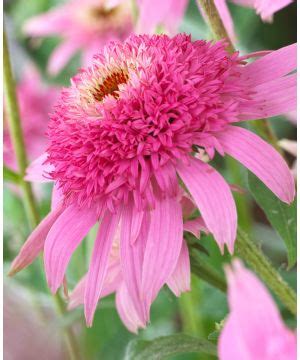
110, 85
97, 13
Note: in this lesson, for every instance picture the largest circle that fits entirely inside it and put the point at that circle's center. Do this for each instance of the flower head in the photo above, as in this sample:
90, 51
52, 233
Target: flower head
84, 26
254, 325
124, 132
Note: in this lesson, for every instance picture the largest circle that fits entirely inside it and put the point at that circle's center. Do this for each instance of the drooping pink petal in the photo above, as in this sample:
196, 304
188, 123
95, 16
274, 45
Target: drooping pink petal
99, 264
62, 240
260, 158
127, 311
180, 280
272, 66
195, 226
61, 55
163, 246
132, 256
111, 284
256, 319
38, 171
35, 243
213, 198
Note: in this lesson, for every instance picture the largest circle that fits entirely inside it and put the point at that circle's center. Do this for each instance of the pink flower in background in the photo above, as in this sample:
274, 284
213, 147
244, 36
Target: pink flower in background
36, 101
84, 25
171, 12
155, 13
122, 134
254, 329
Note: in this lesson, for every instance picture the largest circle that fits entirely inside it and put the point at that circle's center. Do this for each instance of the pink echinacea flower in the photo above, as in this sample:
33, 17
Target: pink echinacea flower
124, 132
84, 25
254, 329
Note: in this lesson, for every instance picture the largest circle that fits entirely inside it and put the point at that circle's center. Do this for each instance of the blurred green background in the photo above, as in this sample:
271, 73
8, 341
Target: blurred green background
196, 312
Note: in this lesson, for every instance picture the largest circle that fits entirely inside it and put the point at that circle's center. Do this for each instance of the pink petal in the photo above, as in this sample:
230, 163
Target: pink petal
273, 98
57, 196
99, 264
37, 171
273, 66
213, 198
35, 242
62, 240
111, 284
132, 254
180, 280
260, 158
163, 246
170, 13
127, 311
230, 344
195, 226
256, 319
188, 206
61, 55
51, 23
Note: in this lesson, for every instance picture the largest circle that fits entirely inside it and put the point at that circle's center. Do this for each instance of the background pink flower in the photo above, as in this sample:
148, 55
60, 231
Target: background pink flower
36, 101
171, 12
84, 25
253, 330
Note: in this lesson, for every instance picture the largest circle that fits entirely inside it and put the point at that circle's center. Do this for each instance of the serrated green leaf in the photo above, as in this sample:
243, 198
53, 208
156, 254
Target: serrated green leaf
165, 346
282, 217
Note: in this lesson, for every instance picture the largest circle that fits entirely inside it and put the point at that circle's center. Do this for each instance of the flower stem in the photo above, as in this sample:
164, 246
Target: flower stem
20, 152
206, 272
16, 134
70, 340
255, 258
215, 22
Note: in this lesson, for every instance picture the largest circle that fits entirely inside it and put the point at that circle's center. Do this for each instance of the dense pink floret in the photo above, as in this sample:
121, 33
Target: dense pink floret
174, 91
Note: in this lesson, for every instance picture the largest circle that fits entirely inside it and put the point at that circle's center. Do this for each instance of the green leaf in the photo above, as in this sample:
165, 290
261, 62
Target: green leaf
165, 346
282, 217
10, 176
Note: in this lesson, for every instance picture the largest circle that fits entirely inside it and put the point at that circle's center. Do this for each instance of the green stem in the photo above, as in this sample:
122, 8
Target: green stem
255, 258
20, 152
206, 272
11, 176
16, 134
215, 22
70, 339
